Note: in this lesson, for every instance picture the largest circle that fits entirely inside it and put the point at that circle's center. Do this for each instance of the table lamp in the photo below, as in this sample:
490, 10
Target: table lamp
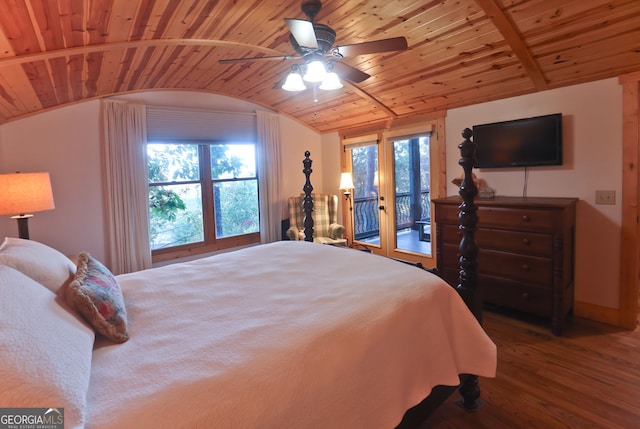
23, 193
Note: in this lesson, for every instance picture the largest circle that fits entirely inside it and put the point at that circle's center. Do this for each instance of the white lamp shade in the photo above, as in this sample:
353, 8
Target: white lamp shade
346, 181
294, 82
331, 81
22, 193
316, 71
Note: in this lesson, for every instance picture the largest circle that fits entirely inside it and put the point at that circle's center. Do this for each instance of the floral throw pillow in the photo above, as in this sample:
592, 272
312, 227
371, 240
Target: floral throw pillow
96, 295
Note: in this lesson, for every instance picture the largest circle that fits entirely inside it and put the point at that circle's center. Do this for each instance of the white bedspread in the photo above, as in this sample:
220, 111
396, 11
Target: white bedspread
284, 335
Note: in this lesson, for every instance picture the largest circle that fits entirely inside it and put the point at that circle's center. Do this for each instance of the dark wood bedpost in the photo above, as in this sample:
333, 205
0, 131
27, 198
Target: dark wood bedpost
307, 204
467, 286
468, 222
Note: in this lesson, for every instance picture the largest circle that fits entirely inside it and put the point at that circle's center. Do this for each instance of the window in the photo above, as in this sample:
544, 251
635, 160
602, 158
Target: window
202, 196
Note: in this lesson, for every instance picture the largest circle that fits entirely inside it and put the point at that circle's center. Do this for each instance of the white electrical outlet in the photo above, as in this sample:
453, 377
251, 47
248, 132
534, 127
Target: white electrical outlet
606, 197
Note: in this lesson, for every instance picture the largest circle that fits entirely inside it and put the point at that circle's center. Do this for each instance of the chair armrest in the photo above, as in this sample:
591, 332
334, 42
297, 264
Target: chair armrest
293, 233
336, 231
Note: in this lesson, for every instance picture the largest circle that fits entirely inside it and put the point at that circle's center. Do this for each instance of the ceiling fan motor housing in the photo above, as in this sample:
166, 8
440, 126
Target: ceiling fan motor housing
325, 36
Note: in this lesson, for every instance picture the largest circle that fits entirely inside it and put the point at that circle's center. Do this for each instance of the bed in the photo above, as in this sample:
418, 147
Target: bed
246, 339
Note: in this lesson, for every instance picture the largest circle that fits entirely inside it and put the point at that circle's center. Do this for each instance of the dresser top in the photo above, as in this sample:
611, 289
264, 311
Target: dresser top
512, 201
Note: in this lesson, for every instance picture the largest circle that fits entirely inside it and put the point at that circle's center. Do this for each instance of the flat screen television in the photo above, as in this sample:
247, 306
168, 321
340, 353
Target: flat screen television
520, 143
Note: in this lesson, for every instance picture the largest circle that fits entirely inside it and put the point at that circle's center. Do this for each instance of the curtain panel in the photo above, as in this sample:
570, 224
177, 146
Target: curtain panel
269, 176
126, 187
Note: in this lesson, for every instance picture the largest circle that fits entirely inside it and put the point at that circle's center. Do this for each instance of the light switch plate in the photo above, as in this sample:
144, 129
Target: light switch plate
605, 197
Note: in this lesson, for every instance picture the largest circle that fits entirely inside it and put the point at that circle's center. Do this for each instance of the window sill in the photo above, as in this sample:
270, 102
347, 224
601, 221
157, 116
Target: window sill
200, 249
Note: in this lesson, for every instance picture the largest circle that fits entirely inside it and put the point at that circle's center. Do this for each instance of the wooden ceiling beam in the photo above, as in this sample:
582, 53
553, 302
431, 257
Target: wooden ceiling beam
364, 94
512, 36
46, 55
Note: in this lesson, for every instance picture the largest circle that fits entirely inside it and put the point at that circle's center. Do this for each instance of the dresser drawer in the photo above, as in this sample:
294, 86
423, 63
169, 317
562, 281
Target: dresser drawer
516, 295
524, 242
516, 218
448, 213
515, 266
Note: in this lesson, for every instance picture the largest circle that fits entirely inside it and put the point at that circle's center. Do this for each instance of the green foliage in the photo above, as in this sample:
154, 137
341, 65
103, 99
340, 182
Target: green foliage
237, 208
175, 199
165, 203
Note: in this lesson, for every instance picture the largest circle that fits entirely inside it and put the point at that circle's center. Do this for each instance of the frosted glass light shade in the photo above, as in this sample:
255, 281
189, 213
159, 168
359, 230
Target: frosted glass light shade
22, 193
294, 82
316, 71
331, 81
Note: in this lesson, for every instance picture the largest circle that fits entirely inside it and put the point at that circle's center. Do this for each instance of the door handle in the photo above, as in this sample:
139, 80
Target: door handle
380, 207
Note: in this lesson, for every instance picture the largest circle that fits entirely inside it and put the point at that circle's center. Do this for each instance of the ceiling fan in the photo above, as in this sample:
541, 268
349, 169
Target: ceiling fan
313, 42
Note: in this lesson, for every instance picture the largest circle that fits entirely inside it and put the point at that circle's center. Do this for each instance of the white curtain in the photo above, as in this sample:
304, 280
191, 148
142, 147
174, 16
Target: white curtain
269, 176
126, 187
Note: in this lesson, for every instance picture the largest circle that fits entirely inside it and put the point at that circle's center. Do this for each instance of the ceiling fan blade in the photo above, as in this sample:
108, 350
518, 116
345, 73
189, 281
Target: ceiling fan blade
373, 47
241, 60
303, 32
352, 74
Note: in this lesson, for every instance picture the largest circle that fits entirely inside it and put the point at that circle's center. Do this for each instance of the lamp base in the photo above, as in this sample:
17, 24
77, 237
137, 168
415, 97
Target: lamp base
23, 225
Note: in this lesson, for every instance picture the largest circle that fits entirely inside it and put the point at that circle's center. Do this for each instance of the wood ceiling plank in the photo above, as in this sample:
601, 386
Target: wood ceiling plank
583, 30
6, 50
59, 74
122, 20
228, 22
18, 28
183, 17
593, 52
597, 69
506, 27
111, 63
542, 18
98, 14
39, 75
48, 27
17, 94
71, 21
76, 64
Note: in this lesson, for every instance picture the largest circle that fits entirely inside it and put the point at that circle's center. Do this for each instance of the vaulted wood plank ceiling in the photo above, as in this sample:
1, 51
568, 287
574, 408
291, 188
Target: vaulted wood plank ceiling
461, 52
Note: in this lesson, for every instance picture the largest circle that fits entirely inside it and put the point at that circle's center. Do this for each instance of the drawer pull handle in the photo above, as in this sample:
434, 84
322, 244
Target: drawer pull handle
525, 267
526, 218
526, 241
525, 296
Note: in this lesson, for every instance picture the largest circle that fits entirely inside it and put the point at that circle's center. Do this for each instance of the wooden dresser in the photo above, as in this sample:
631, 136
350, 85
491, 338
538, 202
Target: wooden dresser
526, 252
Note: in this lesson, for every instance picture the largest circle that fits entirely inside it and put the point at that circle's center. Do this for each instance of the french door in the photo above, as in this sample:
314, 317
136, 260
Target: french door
390, 206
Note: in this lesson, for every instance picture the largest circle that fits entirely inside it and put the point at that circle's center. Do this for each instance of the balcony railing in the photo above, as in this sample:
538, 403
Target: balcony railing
366, 216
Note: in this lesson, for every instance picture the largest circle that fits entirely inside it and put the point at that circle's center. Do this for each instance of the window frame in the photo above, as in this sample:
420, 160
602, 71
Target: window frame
207, 183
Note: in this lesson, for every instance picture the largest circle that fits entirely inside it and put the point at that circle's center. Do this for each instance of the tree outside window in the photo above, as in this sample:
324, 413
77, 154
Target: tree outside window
200, 194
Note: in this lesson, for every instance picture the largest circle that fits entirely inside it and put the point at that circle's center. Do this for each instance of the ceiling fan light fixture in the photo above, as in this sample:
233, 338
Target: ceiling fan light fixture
331, 81
316, 71
294, 81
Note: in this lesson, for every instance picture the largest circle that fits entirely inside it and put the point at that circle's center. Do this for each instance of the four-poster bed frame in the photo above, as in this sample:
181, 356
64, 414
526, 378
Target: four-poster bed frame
467, 284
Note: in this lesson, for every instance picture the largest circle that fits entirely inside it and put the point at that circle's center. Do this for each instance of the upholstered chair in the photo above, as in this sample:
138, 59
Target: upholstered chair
326, 228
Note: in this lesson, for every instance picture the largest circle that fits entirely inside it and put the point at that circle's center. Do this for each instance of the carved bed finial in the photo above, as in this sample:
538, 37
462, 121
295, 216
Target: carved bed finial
307, 202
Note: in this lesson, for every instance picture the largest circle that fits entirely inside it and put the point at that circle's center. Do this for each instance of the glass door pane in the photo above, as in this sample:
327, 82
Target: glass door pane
366, 215
412, 226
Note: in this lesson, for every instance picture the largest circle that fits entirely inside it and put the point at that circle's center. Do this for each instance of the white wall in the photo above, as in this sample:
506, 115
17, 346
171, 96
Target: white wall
592, 134
66, 143
592, 138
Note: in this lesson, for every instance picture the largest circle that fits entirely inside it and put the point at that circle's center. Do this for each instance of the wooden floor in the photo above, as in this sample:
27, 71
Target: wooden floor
589, 378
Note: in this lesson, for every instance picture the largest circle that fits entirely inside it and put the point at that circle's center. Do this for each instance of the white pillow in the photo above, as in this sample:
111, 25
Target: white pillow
45, 351
42, 263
